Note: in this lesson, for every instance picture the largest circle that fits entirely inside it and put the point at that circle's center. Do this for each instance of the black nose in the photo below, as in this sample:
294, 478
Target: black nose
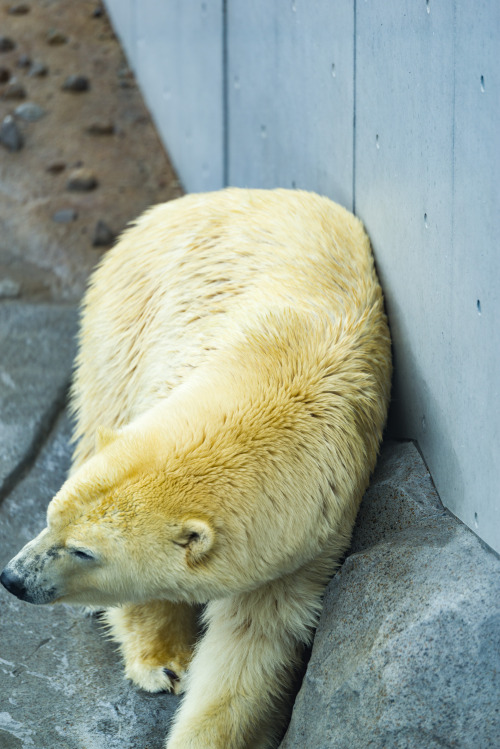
13, 583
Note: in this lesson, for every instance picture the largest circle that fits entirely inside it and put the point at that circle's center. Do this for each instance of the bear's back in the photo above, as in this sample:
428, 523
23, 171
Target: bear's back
190, 274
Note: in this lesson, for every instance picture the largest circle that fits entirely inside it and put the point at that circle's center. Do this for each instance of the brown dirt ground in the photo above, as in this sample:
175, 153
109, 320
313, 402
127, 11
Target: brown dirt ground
49, 260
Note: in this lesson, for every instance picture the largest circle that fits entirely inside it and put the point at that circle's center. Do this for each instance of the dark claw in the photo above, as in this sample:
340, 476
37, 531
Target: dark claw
171, 674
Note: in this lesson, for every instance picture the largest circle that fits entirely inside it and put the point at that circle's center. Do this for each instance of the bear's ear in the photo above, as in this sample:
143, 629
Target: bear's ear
104, 436
197, 536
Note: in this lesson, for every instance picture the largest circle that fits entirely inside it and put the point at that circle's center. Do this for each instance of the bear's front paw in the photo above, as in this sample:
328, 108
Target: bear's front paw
167, 678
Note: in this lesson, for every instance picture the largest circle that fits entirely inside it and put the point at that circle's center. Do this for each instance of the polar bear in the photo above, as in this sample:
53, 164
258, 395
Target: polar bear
231, 388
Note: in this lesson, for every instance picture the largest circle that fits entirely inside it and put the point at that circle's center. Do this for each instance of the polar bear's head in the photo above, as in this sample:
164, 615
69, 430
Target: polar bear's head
122, 528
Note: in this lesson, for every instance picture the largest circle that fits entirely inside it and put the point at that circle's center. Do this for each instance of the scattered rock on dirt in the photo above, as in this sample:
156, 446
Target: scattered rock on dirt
29, 111
46, 231
56, 167
7, 44
56, 37
10, 135
82, 180
76, 83
65, 216
24, 61
103, 235
101, 127
19, 9
13, 90
38, 69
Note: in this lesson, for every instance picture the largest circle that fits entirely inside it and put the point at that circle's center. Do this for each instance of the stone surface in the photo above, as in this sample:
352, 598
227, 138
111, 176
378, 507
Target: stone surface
13, 90
37, 349
406, 653
19, 9
4, 74
29, 111
56, 37
65, 216
7, 44
101, 127
23, 61
81, 180
103, 235
10, 135
76, 83
61, 681
38, 69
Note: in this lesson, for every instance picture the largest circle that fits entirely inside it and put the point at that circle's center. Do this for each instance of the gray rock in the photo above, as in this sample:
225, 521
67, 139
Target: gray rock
82, 180
10, 135
36, 341
55, 37
103, 235
65, 216
62, 679
19, 9
13, 90
76, 83
9, 289
7, 44
29, 111
406, 655
101, 127
38, 69
24, 61
56, 167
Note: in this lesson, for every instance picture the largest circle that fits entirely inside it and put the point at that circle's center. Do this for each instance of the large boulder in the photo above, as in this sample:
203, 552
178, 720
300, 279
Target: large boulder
407, 651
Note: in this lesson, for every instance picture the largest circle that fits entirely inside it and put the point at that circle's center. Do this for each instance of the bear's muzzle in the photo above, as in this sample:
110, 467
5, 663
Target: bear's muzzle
12, 582
19, 585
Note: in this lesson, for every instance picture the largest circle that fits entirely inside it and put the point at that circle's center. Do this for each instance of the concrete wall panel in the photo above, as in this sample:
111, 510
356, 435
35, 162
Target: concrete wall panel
474, 367
176, 50
290, 95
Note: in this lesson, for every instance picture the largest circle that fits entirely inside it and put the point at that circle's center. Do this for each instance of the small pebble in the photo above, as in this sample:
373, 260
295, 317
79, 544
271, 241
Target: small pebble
81, 180
65, 216
4, 75
13, 90
29, 111
56, 37
76, 83
10, 135
56, 167
19, 9
38, 69
24, 61
101, 127
9, 289
103, 235
6, 44
97, 12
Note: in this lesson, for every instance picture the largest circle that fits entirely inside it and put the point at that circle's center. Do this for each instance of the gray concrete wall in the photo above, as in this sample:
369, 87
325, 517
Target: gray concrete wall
391, 109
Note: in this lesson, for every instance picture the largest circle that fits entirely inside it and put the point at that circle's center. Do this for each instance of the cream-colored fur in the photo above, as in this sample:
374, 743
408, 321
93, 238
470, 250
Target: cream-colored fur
230, 393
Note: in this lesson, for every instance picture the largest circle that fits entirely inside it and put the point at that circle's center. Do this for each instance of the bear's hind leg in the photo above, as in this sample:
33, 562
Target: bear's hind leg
156, 641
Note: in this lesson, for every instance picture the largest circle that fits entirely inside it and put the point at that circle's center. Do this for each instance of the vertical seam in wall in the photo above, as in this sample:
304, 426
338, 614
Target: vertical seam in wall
354, 114
225, 98
453, 127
